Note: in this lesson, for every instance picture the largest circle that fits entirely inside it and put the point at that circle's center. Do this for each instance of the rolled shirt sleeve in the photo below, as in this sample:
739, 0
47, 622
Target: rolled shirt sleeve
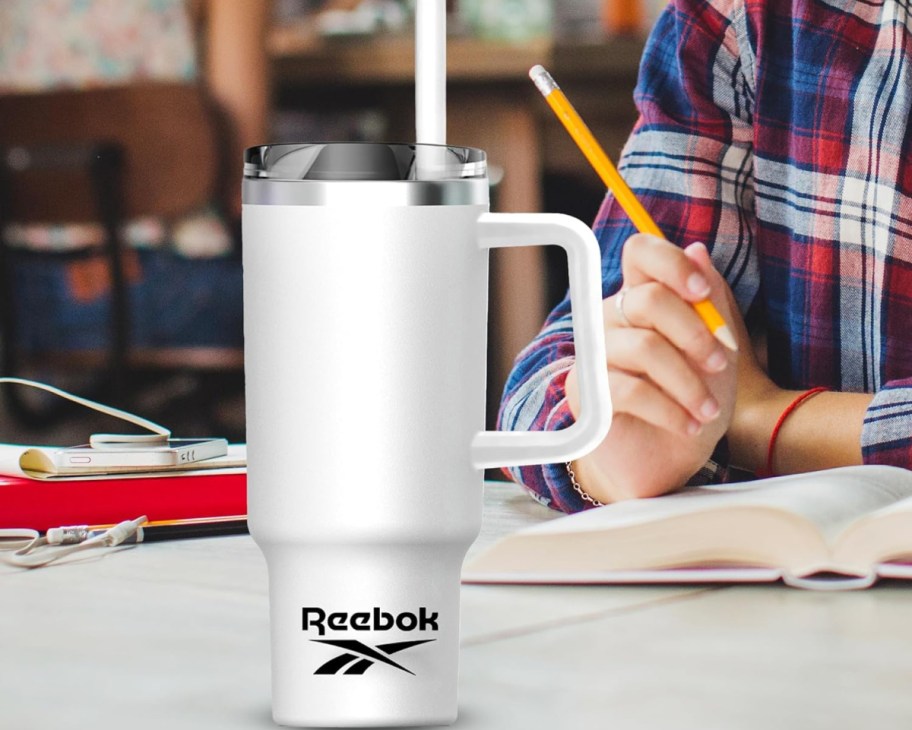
886, 436
689, 161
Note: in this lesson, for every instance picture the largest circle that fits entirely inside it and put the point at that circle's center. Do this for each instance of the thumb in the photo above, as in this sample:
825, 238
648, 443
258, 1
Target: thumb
699, 254
722, 293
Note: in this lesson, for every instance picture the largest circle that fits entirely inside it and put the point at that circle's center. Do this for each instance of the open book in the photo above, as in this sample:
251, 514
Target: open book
838, 528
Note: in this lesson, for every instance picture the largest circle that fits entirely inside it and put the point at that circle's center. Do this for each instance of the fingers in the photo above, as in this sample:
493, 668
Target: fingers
648, 258
643, 400
661, 355
674, 391
653, 306
698, 253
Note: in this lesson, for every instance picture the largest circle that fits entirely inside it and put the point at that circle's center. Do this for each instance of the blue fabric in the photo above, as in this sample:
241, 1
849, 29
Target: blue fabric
778, 133
176, 302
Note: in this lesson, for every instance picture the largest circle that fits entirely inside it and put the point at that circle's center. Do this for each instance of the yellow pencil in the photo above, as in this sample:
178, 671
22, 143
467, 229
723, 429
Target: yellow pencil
615, 183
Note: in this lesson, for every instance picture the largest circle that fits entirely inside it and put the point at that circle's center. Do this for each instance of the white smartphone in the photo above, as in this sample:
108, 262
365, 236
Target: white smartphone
132, 456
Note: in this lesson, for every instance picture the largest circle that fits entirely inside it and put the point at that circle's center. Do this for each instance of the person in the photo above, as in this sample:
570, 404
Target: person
773, 148
185, 275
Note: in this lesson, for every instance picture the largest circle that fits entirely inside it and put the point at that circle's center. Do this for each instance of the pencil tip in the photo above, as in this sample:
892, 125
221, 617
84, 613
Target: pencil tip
724, 335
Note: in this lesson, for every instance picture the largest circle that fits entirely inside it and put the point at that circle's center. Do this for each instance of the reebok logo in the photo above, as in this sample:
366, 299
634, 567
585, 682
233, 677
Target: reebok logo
361, 657
373, 620
357, 656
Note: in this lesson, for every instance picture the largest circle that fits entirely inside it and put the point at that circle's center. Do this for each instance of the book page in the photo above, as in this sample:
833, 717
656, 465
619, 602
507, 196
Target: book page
882, 536
829, 499
787, 522
9, 459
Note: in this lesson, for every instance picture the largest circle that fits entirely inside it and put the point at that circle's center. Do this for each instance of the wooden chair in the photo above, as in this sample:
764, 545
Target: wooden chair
107, 155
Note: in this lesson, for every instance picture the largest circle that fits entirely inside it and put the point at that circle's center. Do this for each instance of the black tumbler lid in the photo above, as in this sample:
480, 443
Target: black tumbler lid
363, 161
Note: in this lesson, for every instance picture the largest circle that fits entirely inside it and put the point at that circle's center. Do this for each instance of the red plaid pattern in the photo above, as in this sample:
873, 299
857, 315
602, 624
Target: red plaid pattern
778, 133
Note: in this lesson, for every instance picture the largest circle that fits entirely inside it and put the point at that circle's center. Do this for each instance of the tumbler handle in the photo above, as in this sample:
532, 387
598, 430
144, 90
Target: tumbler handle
519, 448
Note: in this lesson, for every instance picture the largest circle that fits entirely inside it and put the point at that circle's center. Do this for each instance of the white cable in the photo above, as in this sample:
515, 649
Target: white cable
62, 541
161, 433
18, 539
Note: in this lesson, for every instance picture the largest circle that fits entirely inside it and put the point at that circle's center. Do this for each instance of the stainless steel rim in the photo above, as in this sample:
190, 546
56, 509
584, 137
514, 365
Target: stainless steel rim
365, 193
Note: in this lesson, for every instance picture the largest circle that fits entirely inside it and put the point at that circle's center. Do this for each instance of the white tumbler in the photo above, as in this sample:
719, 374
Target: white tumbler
365, 298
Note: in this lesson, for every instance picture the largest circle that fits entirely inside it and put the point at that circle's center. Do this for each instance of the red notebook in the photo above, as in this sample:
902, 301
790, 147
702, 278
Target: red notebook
41, 504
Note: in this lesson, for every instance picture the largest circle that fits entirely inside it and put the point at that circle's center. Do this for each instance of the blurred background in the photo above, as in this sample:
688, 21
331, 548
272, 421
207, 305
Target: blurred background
123, 127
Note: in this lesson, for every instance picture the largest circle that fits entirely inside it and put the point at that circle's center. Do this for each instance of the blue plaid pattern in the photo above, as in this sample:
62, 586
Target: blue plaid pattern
776, 131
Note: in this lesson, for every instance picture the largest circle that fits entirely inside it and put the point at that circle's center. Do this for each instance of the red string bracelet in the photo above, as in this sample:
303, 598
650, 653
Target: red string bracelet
768, 472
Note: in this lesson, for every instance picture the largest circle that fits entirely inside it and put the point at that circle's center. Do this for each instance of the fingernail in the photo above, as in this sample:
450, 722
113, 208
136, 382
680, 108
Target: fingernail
693, 428
697, 285
716, 362
709, 409
696, 246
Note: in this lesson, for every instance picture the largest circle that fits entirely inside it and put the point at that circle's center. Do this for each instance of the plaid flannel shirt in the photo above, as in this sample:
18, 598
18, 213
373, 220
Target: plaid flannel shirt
778, 132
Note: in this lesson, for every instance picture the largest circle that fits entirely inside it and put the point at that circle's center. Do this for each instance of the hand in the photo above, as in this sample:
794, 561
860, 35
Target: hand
758, 401
672, 383
799, 446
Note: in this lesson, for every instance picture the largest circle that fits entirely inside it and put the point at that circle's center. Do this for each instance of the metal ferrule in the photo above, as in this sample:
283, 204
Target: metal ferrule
543, 80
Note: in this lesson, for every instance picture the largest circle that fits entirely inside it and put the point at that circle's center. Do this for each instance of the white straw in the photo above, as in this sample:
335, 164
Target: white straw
430, 71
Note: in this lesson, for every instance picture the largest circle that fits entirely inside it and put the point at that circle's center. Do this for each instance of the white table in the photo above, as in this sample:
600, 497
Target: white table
175, 635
